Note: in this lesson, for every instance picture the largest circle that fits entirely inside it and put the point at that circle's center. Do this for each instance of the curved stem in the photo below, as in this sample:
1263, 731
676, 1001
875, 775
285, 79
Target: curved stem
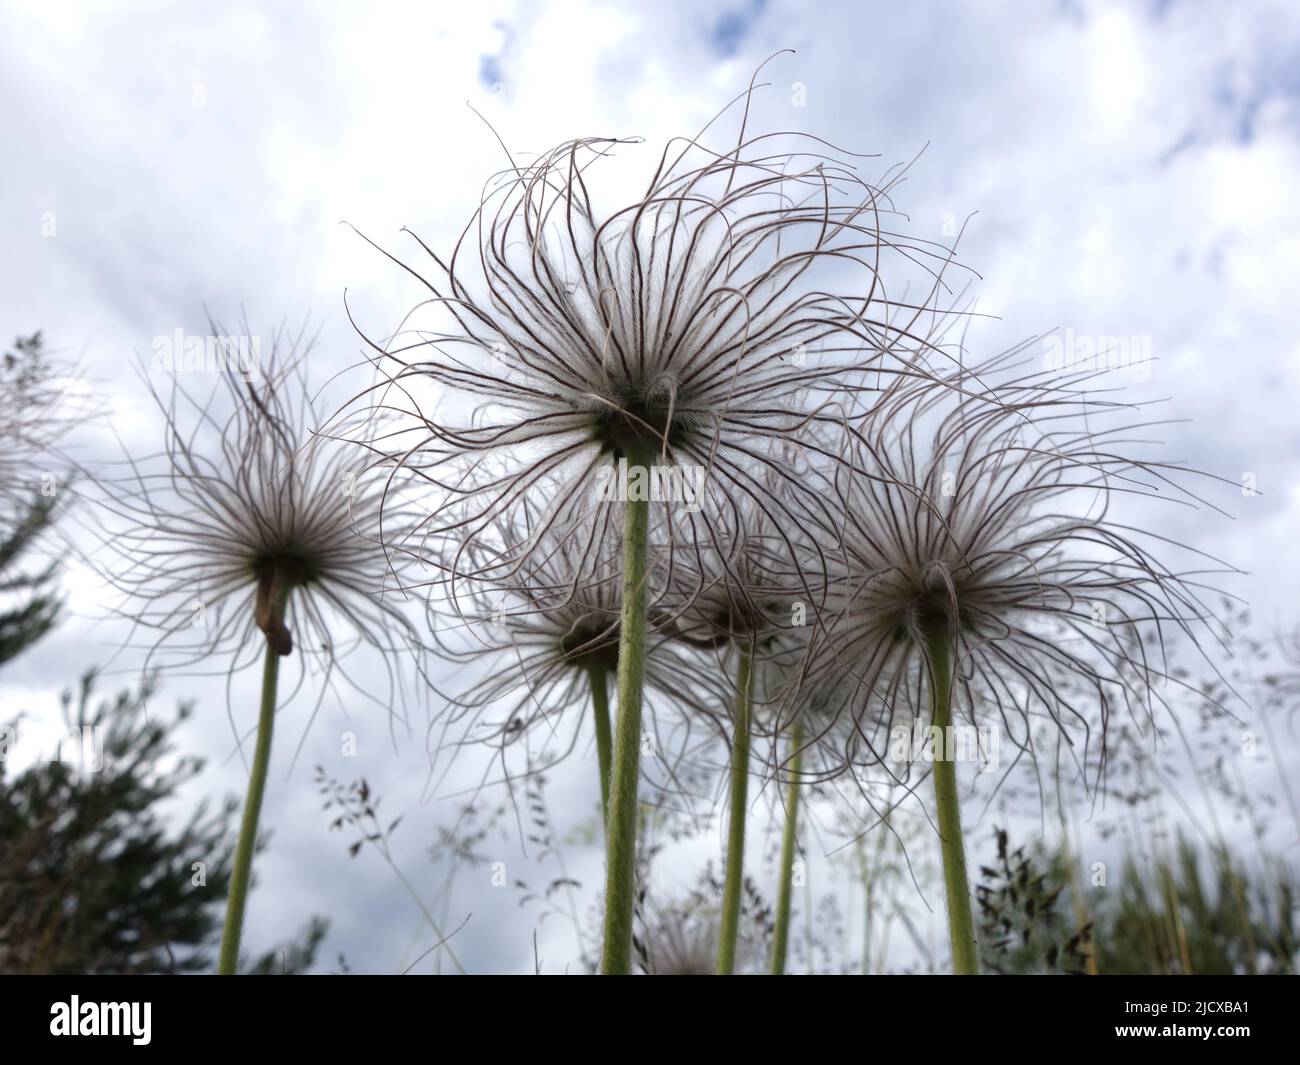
600, 711
735, 877
961, 921
444, 941
241, 874
781, 933
625, 755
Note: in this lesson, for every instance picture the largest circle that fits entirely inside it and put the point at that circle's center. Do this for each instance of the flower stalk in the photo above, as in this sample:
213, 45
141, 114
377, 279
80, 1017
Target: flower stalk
241, 874
961, 922
781, 931
735, 876
625, 762
596, 674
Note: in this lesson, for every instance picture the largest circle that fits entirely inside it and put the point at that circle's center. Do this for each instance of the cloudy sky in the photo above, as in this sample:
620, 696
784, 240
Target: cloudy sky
1127, 169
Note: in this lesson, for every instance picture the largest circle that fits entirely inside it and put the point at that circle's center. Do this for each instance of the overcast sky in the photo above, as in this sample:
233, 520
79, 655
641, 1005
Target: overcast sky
1130, 167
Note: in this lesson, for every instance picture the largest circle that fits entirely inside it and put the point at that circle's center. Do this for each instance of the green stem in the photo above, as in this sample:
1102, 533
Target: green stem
424, 910
600, 710
241, 874
735, 877
625, 755
781, 933
961, 922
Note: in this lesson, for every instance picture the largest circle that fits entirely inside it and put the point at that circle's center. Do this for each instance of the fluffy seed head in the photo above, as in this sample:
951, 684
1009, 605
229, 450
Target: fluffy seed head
987, 514
706, 322
244, 531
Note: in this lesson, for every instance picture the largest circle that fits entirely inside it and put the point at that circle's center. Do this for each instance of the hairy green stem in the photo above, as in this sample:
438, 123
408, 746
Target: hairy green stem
961, 921
735, 877
625, 755
241, 874
600, 710
781, 933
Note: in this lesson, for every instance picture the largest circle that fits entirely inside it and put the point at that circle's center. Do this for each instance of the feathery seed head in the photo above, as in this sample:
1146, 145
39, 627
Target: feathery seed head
541, 628
243, 524
707, 323
986, 515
